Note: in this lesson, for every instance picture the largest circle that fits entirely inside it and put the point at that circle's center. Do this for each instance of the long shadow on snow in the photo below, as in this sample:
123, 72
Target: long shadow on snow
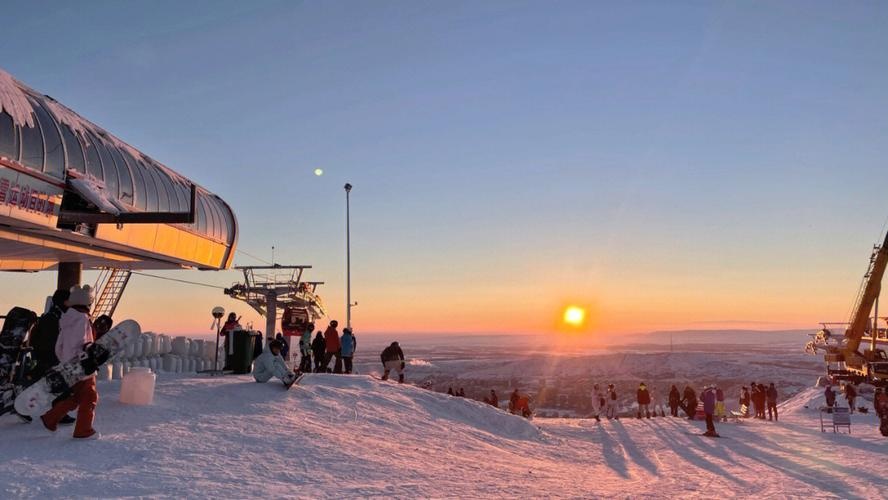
633, 451
833, 483
610, 448
686, 451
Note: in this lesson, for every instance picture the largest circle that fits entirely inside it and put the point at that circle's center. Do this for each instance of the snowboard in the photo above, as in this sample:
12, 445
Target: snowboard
37, 399
295, 381
16, 326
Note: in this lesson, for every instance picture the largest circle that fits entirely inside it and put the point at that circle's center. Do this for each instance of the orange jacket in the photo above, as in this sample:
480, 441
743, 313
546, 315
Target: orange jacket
331, 337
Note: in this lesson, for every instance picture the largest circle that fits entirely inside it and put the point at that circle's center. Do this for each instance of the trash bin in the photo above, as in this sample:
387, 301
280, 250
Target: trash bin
242, 359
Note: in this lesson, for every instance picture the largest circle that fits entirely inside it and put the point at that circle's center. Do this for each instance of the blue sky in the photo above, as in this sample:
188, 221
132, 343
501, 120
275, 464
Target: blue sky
636, 157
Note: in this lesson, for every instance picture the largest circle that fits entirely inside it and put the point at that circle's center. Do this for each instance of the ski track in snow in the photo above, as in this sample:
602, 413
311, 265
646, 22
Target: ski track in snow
338, 436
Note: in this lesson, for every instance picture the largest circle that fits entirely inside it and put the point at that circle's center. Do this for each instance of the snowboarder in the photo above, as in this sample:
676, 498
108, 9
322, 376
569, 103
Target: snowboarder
674, 401
709, 399
612, 402
850, 395
45, 334
75, 332
772, 402
305, 348
830, 397
720, 413
319, 349
644, 400
393, 359
689, 402
271, 364
332, 348
349, 345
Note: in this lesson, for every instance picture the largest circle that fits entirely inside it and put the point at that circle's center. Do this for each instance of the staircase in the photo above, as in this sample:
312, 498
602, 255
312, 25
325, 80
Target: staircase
111, 284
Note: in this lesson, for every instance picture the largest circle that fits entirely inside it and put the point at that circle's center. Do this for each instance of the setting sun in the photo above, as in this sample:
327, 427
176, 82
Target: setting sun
574, 316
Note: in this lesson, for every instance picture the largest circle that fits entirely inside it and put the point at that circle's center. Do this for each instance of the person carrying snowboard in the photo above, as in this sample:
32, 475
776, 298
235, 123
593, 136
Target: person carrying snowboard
305, 348
271, 364
674, 401
744, 400
75, 333
772, 402
709, 399
643, 397
393, 359
319, 350
349, 345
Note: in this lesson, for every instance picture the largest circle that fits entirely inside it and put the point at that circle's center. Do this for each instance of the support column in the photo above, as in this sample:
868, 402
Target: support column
69, 275
270, 315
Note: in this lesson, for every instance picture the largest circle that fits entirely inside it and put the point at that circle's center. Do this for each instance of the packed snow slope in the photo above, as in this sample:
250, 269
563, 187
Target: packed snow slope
337, 436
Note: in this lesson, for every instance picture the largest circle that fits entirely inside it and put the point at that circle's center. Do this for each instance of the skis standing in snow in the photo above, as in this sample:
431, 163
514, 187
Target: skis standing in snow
75, 332
393, 359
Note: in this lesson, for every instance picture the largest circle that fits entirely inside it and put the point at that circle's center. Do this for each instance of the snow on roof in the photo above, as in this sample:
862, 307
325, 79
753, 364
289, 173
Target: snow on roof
14, 101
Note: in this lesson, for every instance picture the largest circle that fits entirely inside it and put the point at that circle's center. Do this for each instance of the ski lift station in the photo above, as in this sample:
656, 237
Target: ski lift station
73, 197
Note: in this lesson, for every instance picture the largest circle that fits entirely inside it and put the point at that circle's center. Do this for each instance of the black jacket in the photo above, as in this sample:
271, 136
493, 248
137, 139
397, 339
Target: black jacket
319, 345
392, 353
674, 397
44, 336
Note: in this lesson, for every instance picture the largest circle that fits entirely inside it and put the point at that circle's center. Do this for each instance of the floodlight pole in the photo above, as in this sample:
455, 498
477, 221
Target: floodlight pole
348, 301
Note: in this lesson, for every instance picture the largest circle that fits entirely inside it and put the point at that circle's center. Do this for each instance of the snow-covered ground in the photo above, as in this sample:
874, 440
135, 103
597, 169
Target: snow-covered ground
339, 436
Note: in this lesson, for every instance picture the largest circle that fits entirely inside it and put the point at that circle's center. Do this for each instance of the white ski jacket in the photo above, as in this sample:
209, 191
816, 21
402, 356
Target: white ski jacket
75, 331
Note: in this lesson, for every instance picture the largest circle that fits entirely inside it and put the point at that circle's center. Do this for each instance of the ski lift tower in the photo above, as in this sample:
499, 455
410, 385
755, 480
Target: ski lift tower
271, 289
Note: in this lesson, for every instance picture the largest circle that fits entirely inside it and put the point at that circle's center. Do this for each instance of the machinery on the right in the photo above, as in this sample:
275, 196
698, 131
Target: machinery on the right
844, 359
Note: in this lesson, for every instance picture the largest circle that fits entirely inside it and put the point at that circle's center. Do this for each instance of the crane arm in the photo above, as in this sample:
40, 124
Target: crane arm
861, 317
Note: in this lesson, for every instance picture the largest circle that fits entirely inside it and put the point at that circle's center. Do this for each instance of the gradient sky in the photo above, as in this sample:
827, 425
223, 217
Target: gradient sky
667, 164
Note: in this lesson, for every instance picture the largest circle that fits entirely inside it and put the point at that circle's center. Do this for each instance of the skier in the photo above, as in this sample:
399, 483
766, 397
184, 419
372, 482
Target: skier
850, 395
305, 348
75, 332
689, 402
709, 398
393, 359
45, 334
674, 401
349, 346
319, 349
644, 400
333, 348
271, 364
720, 405
772, 402
612, 402
830, 397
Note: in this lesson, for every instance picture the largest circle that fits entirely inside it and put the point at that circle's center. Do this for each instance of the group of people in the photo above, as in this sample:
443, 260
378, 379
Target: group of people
460, 393
61, 335
850, 396
760, 398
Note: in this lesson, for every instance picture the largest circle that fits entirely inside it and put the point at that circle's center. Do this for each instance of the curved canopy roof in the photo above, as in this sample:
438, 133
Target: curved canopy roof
52, 141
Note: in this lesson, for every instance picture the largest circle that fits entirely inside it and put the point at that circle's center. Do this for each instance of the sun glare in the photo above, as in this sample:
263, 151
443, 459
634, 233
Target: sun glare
574, 316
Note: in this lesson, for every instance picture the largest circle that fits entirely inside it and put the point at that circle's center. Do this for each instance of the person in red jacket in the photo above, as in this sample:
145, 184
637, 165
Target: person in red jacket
75, 332
333, 347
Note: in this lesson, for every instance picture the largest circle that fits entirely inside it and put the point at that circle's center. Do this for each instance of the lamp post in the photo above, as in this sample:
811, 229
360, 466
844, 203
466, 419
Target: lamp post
348, 304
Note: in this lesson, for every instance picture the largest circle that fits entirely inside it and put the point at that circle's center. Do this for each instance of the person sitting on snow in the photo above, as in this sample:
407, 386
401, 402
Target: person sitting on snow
75, 333
393, 359
271, 364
